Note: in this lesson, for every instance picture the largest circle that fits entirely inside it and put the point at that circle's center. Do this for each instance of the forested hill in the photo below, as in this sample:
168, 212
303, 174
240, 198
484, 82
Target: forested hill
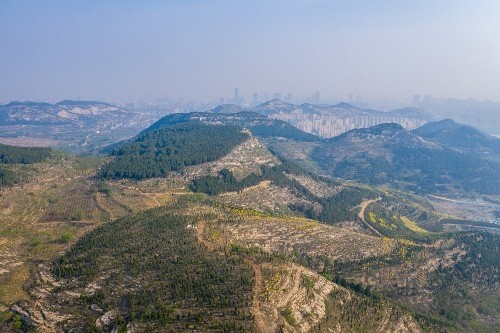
463, 138
158, 278
24, 155
156, 152
388, 154
259, 125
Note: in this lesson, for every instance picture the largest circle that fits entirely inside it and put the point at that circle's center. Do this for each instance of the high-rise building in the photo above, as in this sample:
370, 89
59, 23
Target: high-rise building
288, 98
316, 96
255, 98
277, 96
351, 97
236, 96
221, 100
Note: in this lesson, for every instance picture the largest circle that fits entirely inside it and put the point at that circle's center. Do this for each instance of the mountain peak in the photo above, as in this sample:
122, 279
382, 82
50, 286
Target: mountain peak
68, 102
344, 105
27, 103
384, 128
275, 103
227, 108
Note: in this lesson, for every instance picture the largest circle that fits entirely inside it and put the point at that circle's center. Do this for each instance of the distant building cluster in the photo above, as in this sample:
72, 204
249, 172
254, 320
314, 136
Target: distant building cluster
329, 126
257, 98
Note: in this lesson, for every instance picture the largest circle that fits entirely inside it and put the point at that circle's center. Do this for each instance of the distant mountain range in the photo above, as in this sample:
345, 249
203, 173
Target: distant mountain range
65, 112
330, 121
76, 126
385, 154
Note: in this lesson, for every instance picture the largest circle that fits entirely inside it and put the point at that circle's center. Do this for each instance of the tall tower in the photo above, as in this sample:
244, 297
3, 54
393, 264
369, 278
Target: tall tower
236, 96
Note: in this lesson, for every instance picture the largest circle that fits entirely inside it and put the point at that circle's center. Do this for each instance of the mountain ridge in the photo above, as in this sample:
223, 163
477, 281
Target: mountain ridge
331, 120
463, 138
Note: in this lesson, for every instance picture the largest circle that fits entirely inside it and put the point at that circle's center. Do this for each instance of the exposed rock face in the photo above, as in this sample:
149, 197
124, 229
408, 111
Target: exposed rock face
106, 320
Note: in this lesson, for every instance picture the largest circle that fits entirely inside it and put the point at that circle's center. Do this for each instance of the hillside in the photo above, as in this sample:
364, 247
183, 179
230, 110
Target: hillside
23, 155
10, 158
272, 245
463, 138
63, 113
258, 125
77, 126
388, 154
204, 290
215, 283
155, 153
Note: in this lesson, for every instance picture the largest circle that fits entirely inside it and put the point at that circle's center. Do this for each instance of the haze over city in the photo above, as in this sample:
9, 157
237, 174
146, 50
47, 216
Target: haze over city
55, 50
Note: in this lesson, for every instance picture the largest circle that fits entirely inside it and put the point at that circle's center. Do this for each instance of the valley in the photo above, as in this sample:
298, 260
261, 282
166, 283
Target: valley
249, 166
232, 236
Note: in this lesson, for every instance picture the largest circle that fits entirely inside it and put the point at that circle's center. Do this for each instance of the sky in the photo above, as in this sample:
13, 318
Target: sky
202, 49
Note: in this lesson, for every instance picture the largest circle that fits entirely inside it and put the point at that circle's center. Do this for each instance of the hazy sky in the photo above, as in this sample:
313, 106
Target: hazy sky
105, 49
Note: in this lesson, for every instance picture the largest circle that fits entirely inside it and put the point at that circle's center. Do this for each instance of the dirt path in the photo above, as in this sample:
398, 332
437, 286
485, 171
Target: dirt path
262, 327
201, 238
361, 215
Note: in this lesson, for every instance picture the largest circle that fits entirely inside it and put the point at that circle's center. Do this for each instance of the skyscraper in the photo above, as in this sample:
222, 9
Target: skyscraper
255, 98
236, 96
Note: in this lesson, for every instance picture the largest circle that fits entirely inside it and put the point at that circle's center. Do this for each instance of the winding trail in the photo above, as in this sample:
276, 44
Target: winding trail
262, 327
361, 215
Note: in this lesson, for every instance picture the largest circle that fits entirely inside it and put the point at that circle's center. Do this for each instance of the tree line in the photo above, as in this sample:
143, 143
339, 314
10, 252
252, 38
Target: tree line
23, 155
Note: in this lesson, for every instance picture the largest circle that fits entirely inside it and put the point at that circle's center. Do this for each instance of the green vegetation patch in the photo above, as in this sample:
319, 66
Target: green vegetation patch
7, 177
155, 153
336, 208
152, 272
23, 155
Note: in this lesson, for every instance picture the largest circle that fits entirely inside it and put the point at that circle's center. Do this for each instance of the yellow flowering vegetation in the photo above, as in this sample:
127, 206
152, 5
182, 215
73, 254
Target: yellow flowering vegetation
412, 225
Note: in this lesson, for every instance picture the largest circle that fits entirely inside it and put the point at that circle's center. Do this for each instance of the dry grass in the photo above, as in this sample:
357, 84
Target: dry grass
40, 217
288, 235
